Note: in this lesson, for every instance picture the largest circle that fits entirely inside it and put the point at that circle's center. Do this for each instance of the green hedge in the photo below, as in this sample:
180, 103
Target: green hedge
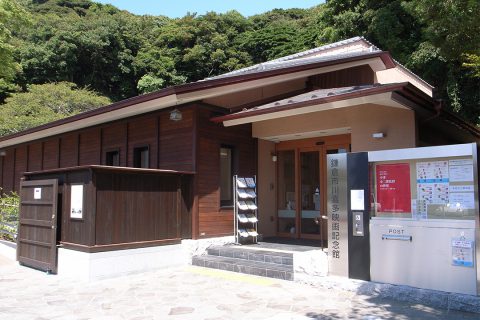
9, 210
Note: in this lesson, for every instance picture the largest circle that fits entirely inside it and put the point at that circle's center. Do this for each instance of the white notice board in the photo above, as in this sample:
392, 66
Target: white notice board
76, 201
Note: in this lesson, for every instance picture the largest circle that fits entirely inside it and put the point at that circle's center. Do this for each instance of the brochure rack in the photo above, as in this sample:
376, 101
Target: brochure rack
245, 209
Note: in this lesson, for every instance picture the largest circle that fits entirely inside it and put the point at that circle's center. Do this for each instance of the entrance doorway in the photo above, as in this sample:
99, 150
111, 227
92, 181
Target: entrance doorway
301, 181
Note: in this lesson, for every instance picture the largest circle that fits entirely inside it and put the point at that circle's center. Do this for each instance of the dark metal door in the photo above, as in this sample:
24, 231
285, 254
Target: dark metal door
37, 232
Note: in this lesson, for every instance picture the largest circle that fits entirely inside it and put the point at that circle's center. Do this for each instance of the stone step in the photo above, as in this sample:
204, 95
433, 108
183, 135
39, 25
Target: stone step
263, 269
266, 256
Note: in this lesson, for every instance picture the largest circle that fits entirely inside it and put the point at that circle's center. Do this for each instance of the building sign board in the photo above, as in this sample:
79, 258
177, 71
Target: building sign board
337, 204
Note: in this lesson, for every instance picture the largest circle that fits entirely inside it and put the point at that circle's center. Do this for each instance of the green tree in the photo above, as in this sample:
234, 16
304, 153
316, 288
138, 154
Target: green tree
12, 17
45, 103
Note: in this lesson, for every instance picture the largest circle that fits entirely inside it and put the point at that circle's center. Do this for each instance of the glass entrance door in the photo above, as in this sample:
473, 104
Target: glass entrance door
310, 194
301, 186
300, 193
287, 197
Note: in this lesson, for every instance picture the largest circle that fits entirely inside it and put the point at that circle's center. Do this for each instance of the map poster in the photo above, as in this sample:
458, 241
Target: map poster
393, 188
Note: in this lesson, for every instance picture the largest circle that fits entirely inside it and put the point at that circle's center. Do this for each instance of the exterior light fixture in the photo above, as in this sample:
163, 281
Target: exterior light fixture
3, 153
274, 157
378, 135
175, 115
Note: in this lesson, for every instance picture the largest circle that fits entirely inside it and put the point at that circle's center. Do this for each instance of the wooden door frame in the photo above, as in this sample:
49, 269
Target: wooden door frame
321, 155
322, 144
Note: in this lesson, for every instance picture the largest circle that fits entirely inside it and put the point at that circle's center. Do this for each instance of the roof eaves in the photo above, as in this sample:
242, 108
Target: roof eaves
87, 114
199, 85
321, 100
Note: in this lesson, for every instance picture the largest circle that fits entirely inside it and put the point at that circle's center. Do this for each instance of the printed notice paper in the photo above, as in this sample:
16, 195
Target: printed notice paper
76, 201
393, 188
461, 170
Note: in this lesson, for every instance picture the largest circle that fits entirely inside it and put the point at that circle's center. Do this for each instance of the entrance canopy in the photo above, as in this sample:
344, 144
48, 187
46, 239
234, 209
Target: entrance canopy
319, 100
390, 109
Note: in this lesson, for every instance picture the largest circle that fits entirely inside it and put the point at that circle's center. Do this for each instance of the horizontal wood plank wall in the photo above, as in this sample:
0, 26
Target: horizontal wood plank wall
79, 231
114, 137
89, 147
143, 132
170, 142
69, 150
355, 76
176, 139
186, 206
214, 220
50, 154
8, 167
21, 161
35, 154
136, 207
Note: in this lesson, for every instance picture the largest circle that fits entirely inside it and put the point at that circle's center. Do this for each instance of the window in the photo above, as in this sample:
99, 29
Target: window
226, 176
112, 158
141, 157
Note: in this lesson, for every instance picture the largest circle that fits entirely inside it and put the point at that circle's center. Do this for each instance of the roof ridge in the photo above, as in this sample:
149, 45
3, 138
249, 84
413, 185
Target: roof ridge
325, 47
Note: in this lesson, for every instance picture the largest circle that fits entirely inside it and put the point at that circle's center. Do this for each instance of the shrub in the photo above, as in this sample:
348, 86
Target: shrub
9, 216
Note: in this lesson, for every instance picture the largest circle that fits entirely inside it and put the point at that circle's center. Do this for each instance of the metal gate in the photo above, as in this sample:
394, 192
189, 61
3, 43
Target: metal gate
37, 232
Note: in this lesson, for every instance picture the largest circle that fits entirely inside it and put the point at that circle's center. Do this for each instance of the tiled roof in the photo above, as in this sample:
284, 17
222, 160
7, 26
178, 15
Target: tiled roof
318, 54
311, 96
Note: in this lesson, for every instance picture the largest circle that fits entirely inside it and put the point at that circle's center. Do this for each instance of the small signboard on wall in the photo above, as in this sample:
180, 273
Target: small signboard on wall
462, 252
37, 193
76, 201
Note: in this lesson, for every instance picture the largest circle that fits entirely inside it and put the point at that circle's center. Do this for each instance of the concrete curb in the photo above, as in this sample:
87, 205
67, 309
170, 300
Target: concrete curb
431, 298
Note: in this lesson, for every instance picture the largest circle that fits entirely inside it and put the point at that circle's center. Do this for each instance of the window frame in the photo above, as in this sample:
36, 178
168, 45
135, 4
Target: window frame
137, 159
110, 151
226, 204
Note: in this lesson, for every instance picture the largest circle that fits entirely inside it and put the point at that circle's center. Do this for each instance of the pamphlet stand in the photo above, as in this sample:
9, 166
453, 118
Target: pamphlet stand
245, 209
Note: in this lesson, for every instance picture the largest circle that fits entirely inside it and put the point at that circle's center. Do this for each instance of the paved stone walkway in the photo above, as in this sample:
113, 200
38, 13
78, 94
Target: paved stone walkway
190, 293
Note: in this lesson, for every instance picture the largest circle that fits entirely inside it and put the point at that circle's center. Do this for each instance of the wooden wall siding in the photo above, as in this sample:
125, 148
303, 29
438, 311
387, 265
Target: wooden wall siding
355, 76
89, 147
143, 131
73, 230
35, 154
50, 154
186, 206
214, 220
176, 142
123, 207
171, 145
8, 170
114, 137
134, 208
69, 150
21, 161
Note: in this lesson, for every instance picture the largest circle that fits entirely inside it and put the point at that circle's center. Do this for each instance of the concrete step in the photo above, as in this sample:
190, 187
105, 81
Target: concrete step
266, 256
263, 269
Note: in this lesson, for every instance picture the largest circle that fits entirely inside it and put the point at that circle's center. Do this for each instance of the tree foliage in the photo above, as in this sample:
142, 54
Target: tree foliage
120, 55
44, 103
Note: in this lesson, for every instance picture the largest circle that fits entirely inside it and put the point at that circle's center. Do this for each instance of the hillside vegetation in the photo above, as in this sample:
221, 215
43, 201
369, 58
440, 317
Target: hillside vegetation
104, 54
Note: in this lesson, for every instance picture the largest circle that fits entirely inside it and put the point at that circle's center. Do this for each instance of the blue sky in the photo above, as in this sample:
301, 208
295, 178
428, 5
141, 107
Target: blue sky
178, 8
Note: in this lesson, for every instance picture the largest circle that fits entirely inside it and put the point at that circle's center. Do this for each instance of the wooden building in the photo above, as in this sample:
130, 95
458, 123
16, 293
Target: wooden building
277, 120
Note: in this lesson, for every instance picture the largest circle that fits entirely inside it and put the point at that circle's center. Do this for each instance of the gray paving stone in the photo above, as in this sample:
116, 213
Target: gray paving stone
195, 293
